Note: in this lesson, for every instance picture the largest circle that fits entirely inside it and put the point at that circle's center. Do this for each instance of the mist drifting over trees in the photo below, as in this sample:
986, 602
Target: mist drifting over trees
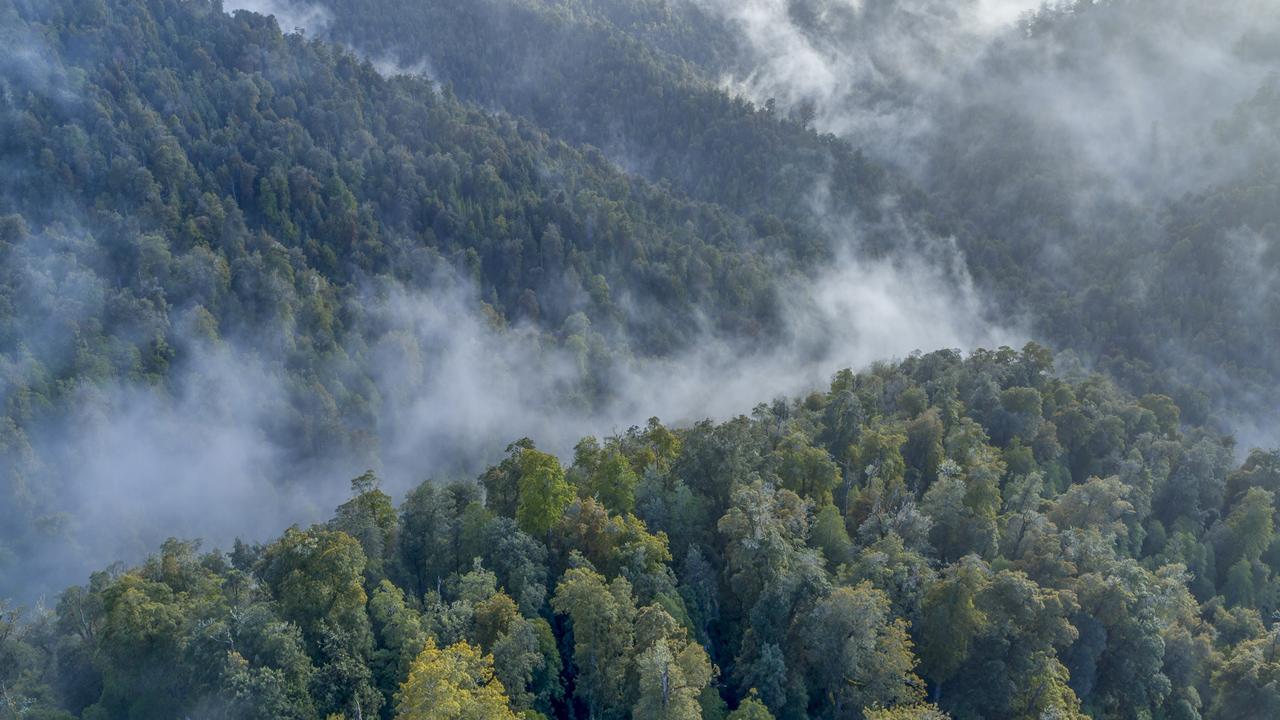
692, 359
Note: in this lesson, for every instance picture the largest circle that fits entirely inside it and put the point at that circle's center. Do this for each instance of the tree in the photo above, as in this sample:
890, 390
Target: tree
761, 667
944, 505
502, 482
751, 709
277, 683
495, 616
370, 518
672, 670
878, 462
951, 619
141, 639
830, 536
454, 683
655, 447
613, 544
1117, 663
923, 451
700, 590
1099, 504
918, 711
964, 506
1248, 528
518, 560
525, 659
544, 493
805, 470
763, 530
602, 617
901, 573
430, 533
716, 458
857, 655
400, 635
316, 579
1023, 521
1248, 683
606, 475
1019, 416
1167, 413
992, 638
1261, 469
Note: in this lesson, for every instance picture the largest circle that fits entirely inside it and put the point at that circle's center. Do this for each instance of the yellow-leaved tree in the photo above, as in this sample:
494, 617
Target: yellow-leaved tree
452, 683
920, 711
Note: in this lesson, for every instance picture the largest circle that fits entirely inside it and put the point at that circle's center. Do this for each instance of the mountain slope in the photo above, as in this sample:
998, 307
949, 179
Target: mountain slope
178, 180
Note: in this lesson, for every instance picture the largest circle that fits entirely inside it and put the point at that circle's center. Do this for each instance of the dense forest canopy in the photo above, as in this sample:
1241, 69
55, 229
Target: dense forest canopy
252, 249
363, 270
976, 536
159, 219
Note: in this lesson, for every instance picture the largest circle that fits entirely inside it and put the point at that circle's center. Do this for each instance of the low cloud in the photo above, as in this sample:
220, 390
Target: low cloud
310, 18
225, 446
203, 455
1131, 89
391, 66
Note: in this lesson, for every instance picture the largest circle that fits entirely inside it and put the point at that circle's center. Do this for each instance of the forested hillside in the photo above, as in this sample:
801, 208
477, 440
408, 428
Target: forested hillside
309, 146
1141, 234
365, 269
652, 111
980, 533
1144, 233
178, 180
252, 249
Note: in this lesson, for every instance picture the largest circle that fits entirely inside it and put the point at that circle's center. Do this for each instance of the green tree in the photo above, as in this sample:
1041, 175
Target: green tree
602, 617
805, 470
430, 537
751, 709
878, 463
830, 536
1248, 682
1248, 528
527, 662
315, 577
858, 655
672, 670
923, 451
1099, 504
544, 492
606, 475
502, 482
400, 637
764, 531
370, 517
950, 620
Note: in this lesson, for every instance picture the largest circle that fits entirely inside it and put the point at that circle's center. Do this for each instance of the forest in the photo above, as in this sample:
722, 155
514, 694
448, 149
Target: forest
639, 359
976, 536
1142, 235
